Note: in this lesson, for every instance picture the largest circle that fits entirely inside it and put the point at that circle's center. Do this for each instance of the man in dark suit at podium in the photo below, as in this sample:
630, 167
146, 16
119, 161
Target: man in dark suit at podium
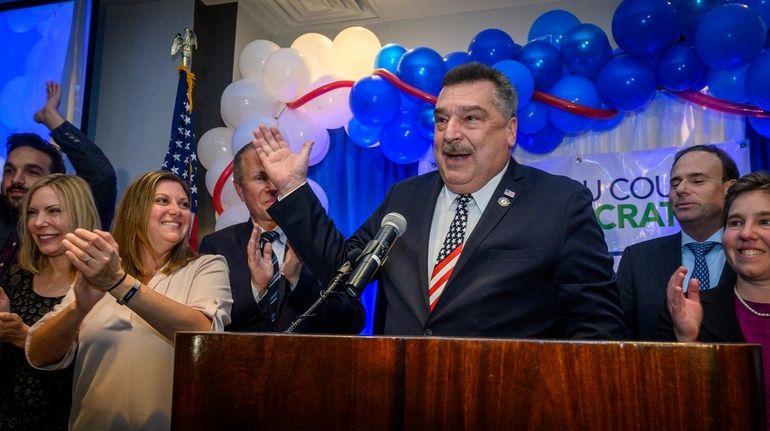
492, 249
270, 285
700, 177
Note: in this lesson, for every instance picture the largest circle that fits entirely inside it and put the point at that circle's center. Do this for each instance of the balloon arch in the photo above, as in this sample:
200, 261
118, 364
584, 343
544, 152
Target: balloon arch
568, 78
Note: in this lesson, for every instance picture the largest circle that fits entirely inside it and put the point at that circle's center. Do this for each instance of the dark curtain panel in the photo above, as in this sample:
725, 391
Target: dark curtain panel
356, 180
759, 147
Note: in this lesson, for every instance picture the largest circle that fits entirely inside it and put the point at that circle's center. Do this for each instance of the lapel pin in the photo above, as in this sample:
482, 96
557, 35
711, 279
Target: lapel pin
503, 202
510, 193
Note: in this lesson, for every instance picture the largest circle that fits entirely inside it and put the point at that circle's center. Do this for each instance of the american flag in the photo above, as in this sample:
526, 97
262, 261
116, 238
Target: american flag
181, 158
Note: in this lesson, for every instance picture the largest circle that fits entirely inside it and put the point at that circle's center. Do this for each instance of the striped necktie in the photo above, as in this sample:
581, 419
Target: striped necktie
272, 288
450, 251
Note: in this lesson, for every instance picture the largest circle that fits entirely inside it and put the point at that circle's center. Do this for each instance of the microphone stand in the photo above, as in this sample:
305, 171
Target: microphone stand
339, 278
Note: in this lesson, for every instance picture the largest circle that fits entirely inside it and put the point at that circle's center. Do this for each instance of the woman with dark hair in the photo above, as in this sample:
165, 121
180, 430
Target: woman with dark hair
740, 313
135, 291
55, 205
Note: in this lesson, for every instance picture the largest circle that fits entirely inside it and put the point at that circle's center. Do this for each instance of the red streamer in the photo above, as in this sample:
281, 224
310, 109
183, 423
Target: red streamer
319, 91
221, 181
722, 105
403, 86
585, 111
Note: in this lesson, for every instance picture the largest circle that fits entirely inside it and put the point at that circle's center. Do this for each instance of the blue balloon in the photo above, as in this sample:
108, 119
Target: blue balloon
542, 142
400, 141
576, 89
762, 7
626, 83
520, 77
457, 58
679, 68
374, 101
544, 62
608, 124
492, 45
703, 79
691, 12
729, 84
761, 125
757, 82
422, 68
585, 49
730, 36
361, 134
389, 56
551, 26
532, 117
426, 122
645, 28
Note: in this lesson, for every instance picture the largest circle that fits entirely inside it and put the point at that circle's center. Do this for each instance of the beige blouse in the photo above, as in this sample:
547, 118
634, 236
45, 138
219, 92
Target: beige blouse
123, 366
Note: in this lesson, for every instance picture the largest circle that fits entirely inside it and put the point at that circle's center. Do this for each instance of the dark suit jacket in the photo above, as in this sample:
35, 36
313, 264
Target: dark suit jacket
720, 323
535, 266
643, 275
341, 314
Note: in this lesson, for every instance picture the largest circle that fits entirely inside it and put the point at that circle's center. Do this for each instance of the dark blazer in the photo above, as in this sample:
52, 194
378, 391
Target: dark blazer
643, 275
341, 314
535, 266
720, 323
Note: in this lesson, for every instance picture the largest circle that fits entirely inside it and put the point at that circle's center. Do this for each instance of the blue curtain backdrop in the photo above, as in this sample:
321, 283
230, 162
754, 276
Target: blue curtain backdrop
356, 180
760, 149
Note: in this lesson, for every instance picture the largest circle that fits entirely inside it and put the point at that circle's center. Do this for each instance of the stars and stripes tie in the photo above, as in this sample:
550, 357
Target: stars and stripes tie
701, 270
450, 251
272, 288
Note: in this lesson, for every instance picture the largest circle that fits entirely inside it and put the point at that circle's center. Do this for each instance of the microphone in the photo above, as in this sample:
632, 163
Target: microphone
393, 226
342, 273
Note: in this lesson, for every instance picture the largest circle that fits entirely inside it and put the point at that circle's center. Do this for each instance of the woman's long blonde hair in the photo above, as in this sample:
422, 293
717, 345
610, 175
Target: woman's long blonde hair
77, 203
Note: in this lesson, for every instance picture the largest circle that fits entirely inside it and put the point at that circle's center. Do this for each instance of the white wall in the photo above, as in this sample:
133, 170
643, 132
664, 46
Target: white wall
135, 82
449, 33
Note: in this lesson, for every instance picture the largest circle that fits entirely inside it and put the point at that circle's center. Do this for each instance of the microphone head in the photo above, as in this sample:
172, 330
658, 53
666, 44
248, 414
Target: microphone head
396, 220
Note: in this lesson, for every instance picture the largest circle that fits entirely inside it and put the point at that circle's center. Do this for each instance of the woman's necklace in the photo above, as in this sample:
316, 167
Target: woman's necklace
745, 304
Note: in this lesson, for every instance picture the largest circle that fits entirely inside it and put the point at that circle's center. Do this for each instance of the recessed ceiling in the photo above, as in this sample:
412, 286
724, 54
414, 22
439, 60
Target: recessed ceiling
278, 16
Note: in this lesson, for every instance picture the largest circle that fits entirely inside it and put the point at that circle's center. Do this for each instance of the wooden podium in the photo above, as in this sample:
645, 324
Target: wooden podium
298, 382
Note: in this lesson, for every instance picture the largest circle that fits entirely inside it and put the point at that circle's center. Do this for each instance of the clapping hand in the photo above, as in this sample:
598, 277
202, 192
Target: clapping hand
95, 255
685, 309
260, 262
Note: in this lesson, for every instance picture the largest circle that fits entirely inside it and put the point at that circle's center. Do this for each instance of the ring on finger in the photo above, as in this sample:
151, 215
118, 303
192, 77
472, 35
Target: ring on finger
88, 258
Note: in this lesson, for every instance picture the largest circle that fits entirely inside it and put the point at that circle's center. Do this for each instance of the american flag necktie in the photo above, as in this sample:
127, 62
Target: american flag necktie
450, 251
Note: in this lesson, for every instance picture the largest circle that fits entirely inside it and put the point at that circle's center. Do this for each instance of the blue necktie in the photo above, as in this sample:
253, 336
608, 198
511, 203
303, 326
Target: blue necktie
701, 270
272, 288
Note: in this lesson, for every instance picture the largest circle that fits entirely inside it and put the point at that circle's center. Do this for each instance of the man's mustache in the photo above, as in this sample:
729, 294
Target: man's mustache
17, 188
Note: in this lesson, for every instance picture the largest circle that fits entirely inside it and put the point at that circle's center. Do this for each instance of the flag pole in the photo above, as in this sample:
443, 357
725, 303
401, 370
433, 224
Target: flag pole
181, 157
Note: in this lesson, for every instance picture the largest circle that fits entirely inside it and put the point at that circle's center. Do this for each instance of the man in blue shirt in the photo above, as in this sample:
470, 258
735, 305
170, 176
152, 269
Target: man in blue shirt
700, 177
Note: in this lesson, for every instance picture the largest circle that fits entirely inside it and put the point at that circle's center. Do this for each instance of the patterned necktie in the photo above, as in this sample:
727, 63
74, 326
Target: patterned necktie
701, 270
450, 251
272, 288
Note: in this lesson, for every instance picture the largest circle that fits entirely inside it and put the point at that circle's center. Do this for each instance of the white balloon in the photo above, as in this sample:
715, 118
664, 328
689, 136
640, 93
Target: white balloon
297, 129
229, 196
353, 53
244, 133
253, 57
215, 171
427, 162
233, 214
246, 98
214, 144
320, 193
316, 48
330, 110
286, 74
